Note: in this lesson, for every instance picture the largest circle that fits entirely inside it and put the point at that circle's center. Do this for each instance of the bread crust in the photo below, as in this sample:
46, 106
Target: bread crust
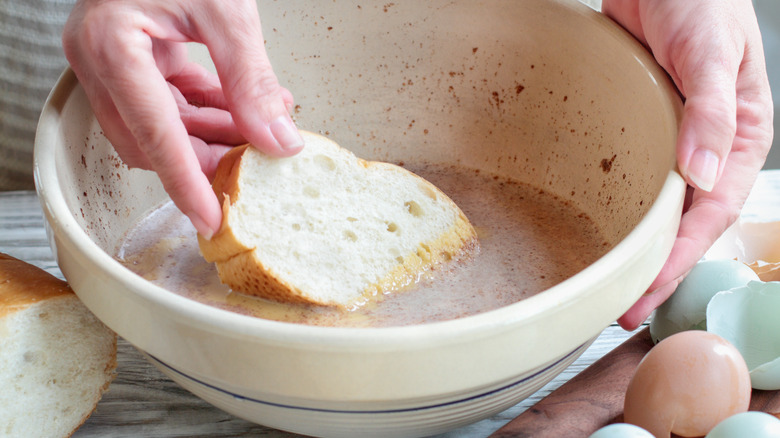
242, 270
224, 244
22, 284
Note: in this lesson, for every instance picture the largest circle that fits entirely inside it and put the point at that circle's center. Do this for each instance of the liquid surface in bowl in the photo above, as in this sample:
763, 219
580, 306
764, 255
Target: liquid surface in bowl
529, 241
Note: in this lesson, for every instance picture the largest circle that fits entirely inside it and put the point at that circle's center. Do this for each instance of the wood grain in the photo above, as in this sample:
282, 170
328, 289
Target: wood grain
589, 401
766, 401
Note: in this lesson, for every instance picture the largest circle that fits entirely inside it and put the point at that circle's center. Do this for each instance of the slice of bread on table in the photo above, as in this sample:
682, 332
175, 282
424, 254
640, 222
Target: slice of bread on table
56, 358
327, 228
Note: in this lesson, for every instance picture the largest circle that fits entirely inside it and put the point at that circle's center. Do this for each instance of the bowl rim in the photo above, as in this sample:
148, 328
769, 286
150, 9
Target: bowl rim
64, 226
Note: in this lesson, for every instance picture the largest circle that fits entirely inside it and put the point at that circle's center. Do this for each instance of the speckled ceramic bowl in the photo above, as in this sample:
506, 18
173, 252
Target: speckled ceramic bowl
547, 92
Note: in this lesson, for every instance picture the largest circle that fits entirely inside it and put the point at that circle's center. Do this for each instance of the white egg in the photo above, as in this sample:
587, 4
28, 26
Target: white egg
747, 424
686, 309
621, 430
749, 318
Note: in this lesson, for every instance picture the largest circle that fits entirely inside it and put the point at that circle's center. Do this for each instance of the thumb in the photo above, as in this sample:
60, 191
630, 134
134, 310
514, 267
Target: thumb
708, 126
704, 61
259, 105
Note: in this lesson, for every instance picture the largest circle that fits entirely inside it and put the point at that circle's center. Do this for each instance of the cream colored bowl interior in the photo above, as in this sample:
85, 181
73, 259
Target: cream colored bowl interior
558, 108
546, 92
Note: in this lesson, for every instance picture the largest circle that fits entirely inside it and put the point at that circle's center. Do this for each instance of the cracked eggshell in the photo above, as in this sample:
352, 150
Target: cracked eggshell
748, 317
748, 242
756, 244
686, 309
766, 271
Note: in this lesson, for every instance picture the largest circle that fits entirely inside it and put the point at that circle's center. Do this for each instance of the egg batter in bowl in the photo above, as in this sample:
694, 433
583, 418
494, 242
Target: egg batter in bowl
530, 240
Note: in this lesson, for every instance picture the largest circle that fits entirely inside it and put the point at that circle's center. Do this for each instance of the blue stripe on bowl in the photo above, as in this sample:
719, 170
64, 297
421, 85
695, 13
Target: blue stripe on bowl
383, 411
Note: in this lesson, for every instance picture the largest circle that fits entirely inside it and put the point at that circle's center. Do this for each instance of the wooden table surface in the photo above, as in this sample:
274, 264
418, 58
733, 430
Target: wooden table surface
142, 402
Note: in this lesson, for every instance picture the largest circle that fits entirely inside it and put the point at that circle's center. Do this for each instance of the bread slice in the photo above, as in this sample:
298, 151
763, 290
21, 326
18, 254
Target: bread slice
56, 358
328, 228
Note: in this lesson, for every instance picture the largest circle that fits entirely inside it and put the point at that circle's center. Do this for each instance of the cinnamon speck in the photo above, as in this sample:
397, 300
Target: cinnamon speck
606, 163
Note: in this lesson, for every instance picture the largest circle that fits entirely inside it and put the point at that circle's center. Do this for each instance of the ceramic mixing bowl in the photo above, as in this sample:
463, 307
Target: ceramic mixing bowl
547, 92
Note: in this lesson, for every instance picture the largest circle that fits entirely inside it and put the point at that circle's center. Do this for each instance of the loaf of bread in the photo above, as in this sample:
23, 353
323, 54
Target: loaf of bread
56, 358
327, 228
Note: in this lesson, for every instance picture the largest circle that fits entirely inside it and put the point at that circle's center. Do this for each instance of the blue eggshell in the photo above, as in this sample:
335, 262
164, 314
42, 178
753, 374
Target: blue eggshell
747, 317
747, 424
621, 430
686, 309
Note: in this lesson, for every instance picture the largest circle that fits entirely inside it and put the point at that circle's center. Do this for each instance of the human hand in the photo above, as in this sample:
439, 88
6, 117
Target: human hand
164, 113
713, 52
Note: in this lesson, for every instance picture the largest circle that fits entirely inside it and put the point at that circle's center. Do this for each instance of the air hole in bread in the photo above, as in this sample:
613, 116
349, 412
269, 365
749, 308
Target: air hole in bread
352, 219
424, 252
429, 192
446, 256
325, 162
392, 227
296, 227
414, 208
349, 235
311, 192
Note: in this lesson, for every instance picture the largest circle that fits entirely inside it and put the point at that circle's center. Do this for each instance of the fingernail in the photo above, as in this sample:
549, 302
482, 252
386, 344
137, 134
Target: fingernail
703, 169
200, 225
285, 133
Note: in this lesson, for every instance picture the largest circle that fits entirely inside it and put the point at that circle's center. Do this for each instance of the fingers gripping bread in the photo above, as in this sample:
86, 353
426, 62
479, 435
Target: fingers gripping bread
56, 358
328, 228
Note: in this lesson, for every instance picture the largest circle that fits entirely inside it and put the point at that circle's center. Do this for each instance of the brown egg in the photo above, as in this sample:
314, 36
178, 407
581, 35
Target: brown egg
687, 384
